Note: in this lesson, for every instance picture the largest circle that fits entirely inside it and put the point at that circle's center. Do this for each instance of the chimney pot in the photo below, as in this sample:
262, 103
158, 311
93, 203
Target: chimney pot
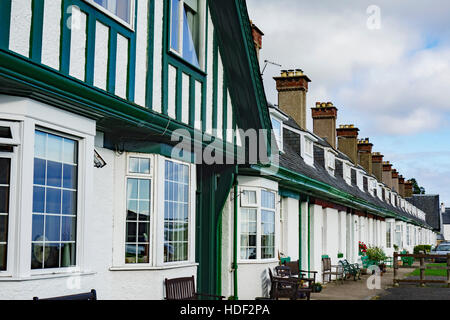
324, 120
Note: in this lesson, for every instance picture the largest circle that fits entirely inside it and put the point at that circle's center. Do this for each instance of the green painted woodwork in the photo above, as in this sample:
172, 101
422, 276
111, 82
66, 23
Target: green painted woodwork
214, 184
5, 24
37, 22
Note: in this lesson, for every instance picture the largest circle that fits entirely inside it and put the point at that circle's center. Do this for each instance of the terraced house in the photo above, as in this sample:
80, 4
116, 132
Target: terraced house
121, 162
95, 190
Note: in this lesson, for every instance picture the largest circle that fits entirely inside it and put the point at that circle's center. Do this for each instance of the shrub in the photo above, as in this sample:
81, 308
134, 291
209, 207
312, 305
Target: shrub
422, 247
376, 254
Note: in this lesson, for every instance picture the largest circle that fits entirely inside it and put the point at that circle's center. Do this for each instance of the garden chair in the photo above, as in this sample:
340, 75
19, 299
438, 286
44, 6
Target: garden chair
309, 276
89, 296
287, 287
184, 289
328, 271
350, 270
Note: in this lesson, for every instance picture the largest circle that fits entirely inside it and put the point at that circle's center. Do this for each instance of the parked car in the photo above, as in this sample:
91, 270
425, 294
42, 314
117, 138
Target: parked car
442, 249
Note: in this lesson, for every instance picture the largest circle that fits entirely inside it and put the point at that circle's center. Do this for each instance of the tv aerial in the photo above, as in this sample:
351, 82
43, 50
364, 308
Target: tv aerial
267, 62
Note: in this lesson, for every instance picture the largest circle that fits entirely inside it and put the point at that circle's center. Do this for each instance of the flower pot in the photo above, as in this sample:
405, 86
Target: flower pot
317, 289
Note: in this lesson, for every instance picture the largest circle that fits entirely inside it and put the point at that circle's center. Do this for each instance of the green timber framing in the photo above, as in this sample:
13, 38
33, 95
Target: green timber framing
28, 77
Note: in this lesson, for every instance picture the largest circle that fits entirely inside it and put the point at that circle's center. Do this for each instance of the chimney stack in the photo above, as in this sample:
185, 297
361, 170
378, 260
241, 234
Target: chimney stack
365, 155
408, 189
292, 87
401, 186
387, 174
324, 119
348, 141
377, 165
257, 38
395, 182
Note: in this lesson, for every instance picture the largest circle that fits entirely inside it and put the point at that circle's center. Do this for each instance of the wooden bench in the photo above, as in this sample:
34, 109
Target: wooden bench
89, 296
184, 289
287, 286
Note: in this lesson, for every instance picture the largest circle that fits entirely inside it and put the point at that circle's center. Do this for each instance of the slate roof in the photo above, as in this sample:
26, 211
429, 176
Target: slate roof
291, 159
431, 206
446, 216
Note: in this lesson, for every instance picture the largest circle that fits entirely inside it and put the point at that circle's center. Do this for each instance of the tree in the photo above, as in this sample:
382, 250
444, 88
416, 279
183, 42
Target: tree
416, 188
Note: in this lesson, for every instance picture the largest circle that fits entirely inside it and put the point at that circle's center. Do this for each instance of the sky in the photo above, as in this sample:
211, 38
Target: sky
384, 64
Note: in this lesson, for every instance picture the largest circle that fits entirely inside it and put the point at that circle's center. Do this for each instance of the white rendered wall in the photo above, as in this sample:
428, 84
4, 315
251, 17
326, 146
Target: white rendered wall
289, 228
19, 34
101, 55
141, 52
77, 67
51, 33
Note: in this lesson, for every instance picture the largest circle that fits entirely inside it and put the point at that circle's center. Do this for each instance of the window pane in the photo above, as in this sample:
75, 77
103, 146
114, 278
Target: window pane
52, 251
69, 203
38, 200
40, 171
68, 254
120, 8
70, 151
5, 165
4, 199
40, 144
54, 148
191, 36
53, 201
69, 227
37, 256
134, 165
144, 166
70, 177
143, 251
3, 254
38, 228
54, 174
175, 21
53, 228
130, 253
249, 197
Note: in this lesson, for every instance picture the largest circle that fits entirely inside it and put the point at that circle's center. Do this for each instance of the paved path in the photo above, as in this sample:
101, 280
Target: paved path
358, 290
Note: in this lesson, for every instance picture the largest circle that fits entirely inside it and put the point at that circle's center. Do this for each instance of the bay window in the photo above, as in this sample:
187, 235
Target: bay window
55, 189
185, 29
257, 224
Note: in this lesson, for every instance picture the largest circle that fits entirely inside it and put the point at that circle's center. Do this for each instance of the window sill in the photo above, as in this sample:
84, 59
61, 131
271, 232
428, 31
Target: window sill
250, 262
46, 276
150, 268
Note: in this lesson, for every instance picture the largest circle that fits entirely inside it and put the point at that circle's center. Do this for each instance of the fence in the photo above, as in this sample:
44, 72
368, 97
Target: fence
423, 267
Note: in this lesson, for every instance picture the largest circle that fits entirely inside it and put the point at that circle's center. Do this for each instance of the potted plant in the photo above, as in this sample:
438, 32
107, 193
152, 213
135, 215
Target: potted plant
317, 287
377, 257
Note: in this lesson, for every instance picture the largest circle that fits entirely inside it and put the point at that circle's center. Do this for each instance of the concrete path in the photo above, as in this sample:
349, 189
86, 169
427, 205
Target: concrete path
357, 290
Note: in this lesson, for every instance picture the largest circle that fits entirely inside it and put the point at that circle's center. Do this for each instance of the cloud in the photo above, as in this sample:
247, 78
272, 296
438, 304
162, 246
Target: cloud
393, 81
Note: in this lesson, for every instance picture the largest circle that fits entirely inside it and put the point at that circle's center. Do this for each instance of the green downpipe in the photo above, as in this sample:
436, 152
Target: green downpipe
235, 240
309, 234
300, 233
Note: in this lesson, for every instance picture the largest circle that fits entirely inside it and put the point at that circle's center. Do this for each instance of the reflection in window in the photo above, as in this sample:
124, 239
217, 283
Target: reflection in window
120, 8
248, 233
5, 171
54, 202
138, 221
267, 225
185, 30
176, 212
276, 125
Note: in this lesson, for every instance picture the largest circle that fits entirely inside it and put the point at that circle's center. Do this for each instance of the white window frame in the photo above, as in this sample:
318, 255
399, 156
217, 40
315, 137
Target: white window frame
331, 162
244, 203
79, 238
130, 25
202, 37
14, 128
149, 176
10, 244
259, 208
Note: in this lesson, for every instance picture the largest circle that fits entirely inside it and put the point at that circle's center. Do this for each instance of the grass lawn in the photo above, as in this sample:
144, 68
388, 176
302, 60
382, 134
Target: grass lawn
432, 272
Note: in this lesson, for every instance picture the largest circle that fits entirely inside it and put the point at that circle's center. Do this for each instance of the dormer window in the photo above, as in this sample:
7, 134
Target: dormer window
308, 153
277, 126
185, 30
347, 174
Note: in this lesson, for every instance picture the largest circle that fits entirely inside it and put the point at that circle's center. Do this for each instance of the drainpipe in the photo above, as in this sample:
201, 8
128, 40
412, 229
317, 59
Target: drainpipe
309, 233
235, 240
300, 233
